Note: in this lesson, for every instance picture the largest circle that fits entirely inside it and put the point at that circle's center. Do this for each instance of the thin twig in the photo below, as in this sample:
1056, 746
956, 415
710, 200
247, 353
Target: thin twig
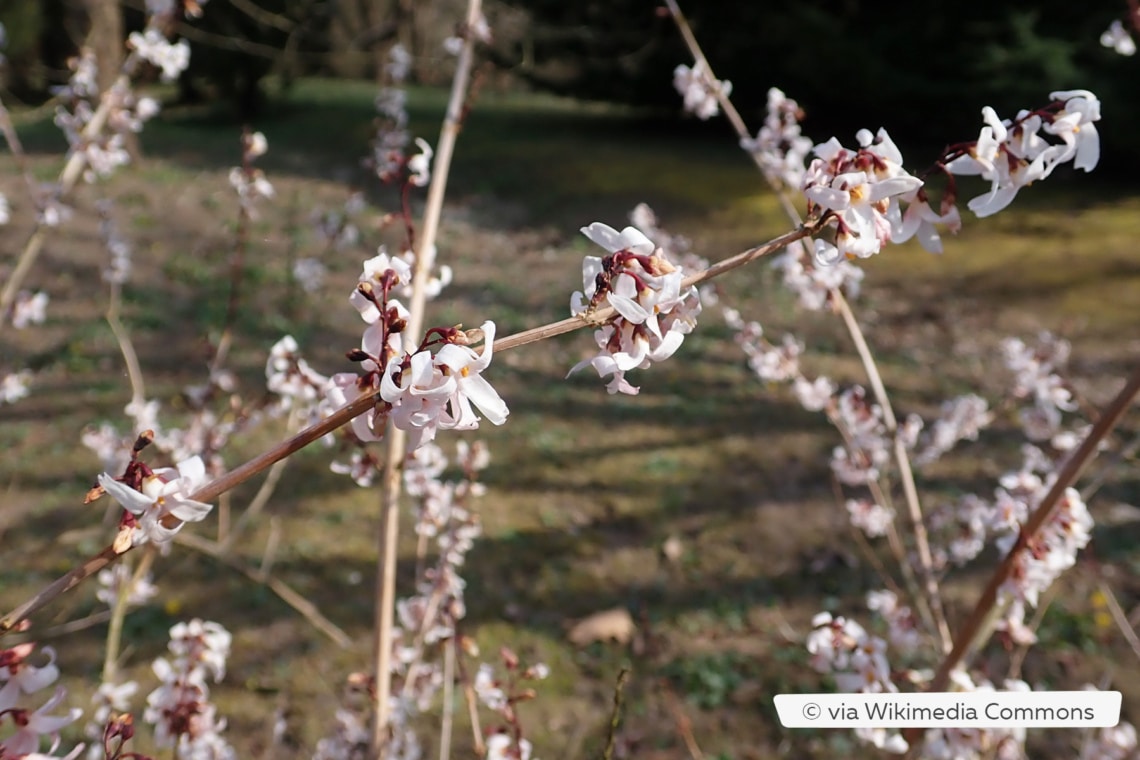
1119, 617
295, 600
448, 719
906, 474
396, 448
615, 714
468, 694
682, 722
119, 614
256, 504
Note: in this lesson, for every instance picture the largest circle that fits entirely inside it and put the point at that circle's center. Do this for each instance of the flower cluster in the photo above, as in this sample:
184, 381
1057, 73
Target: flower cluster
962, 743
654, 311
814, 284
858, 189
18, 680
858, 663
699, 89
962, 418
153, 47
780, 148
1118, 38
298, 386
505, 741
1115, 743
1046, 555
157, 502
1035, 376
250, 182
180, 707
109, 702
1013, 154
392, 137
420, 391
29, 309
103, 151
678, 249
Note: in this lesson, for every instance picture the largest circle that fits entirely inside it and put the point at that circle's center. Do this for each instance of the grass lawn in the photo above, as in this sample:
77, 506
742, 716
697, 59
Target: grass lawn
585, 489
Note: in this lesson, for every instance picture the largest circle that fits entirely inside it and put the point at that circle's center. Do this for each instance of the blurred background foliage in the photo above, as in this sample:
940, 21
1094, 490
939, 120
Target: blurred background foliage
923, 71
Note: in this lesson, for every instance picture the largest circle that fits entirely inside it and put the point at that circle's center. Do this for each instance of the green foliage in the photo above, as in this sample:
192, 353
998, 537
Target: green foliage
708, 680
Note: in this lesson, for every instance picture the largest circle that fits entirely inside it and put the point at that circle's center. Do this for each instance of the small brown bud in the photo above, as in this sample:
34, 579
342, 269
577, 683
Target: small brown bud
145, 439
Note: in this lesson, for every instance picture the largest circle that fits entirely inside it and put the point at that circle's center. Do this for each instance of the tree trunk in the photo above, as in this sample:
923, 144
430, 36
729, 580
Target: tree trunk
105, 37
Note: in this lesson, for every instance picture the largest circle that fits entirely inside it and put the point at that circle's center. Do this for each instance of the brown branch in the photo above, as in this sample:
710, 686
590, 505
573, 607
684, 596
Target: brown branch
342, 416
973, 629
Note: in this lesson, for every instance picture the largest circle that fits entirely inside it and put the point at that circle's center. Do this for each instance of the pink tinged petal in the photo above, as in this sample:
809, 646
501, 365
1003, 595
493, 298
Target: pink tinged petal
928, 238
967, 166
129, 498
628, 239
618, 384
578, 303
31, 679
10, 695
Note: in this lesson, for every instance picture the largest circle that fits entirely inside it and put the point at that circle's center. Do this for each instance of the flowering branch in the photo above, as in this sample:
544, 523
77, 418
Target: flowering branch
396, 447
71, 173
359, 406
973, 632
906, 474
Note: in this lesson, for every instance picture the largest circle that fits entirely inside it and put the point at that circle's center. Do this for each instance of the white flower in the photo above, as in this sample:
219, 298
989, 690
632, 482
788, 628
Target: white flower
500, 746
466, 366
699, 89
152, 46
29, 309
1118, 38
644, 288
165, 494
419, 165
257, 146
859, 188
26, 740
487, 689
14, 386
